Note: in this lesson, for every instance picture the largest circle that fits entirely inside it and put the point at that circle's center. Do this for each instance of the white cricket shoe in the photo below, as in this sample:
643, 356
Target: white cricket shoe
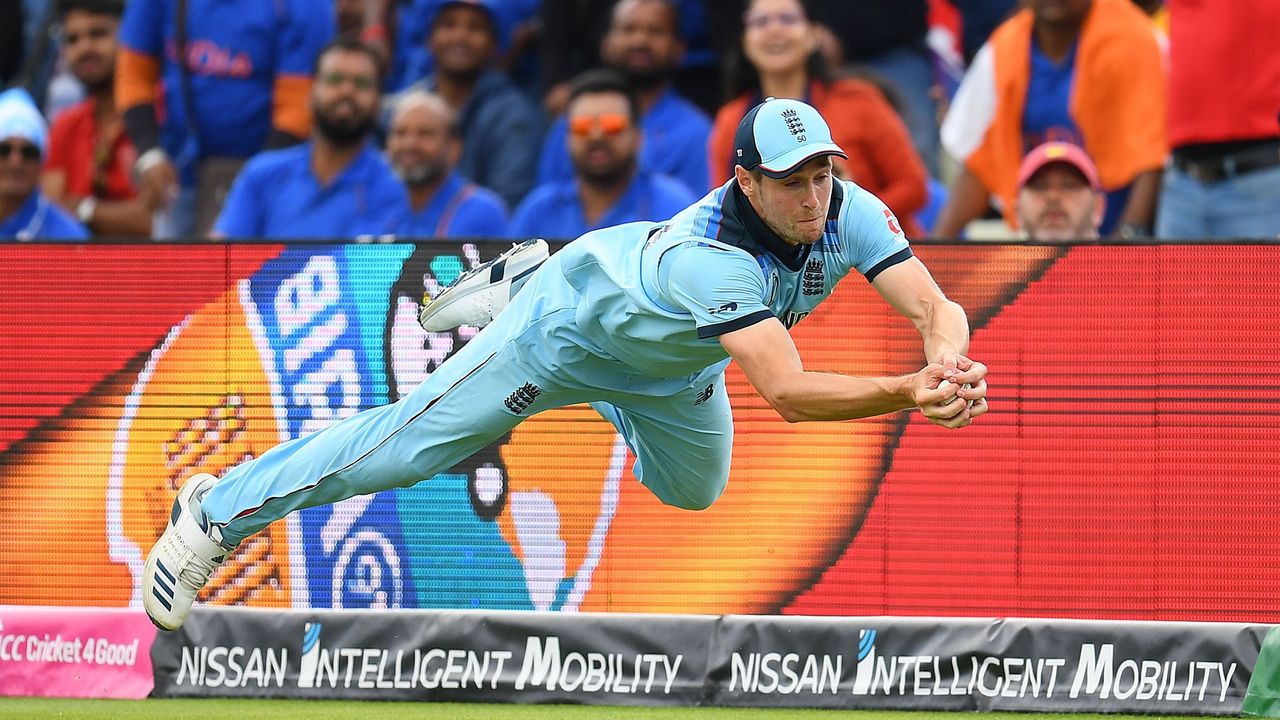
183, 558
478, 295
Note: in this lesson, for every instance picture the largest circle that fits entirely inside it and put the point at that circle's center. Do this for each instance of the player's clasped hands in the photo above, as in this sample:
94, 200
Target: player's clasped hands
953, 392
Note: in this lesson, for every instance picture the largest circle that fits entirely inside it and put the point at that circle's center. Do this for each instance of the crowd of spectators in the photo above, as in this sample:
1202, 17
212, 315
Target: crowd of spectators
518, 118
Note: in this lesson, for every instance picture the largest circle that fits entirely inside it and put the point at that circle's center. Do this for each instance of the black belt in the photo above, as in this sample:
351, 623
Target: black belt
1229, 165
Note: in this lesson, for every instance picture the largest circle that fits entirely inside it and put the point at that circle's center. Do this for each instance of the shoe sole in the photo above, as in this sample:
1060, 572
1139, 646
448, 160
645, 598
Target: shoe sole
497, 269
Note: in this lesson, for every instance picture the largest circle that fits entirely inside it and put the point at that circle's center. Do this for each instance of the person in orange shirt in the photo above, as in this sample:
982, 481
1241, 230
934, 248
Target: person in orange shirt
90, 159
780, 45
1087, 72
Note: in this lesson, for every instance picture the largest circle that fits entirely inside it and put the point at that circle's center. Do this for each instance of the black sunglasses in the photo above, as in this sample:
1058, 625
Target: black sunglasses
29, 152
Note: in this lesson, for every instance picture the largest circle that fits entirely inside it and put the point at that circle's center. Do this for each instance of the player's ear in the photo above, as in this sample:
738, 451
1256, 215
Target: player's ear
746, 180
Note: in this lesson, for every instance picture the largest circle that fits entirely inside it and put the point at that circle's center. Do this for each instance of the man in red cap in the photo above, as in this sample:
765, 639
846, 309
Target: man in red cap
1059, 195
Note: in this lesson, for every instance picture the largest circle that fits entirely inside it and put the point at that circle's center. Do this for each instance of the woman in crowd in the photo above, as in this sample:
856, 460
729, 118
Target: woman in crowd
781, 58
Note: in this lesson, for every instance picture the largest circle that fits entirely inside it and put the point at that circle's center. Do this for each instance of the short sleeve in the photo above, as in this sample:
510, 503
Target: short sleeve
142, 26
870, 234
722, 289
306, 32
241, 215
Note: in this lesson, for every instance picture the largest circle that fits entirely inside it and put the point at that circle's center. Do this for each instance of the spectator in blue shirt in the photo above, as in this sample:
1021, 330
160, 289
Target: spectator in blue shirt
424, 147
334, 186
608, 188
236, 76
501, 127
26, 214
643, 43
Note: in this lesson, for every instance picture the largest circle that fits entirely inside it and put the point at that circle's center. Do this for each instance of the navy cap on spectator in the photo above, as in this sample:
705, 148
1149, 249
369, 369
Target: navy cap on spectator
777, 136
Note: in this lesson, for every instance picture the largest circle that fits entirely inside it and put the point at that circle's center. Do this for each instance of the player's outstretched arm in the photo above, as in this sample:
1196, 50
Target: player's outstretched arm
767, 355
944, 328
942, 324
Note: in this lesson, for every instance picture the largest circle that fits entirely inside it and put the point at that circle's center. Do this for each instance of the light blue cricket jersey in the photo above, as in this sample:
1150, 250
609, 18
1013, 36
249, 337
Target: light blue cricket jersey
656, 297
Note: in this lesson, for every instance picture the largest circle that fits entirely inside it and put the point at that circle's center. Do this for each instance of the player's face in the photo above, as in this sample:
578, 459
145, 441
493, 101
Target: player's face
795, 207
89, 44
420, 147
462, 40
603, 142
1057, 203
344, 96
777, 36
642, 41
19, 168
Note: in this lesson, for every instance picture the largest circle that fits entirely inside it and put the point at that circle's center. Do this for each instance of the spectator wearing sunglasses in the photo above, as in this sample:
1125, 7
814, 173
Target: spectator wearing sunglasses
25, 213
335, 185
90, 163
644, 44
608, 187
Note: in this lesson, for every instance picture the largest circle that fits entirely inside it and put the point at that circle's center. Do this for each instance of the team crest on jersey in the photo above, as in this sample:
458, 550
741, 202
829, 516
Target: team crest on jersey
814, 281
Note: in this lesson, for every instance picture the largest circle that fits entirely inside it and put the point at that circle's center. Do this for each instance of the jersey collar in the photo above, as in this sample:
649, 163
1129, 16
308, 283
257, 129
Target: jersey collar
749, 232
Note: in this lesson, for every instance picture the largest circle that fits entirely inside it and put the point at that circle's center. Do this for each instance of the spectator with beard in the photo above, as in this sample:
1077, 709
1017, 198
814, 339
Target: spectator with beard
1088, 72
25, 213
501, 127
423, 146
1060, 198
334, 185
89, 167
608, 188
643, 43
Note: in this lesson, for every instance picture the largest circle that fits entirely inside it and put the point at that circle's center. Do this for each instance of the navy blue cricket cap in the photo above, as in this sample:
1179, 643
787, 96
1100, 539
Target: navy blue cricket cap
779, 135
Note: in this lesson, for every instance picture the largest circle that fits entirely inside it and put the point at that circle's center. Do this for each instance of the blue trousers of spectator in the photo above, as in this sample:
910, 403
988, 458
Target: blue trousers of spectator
179, 219
1245, 206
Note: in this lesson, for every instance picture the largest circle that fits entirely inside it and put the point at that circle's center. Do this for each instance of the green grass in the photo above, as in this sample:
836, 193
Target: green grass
224, 709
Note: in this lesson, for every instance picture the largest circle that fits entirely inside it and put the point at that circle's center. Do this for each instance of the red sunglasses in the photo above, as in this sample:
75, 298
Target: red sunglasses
609, 124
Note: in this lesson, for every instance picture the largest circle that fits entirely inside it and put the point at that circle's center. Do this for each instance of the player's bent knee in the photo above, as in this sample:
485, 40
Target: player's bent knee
697, 495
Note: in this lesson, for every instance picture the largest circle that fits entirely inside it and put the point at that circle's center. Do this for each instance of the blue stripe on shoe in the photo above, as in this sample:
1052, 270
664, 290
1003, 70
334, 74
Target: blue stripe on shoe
163, 600
165, 586
173, 580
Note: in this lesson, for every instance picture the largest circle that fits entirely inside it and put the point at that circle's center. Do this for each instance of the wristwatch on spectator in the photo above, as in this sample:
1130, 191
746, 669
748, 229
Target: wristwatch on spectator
150, 159
86, 208
1132, 231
